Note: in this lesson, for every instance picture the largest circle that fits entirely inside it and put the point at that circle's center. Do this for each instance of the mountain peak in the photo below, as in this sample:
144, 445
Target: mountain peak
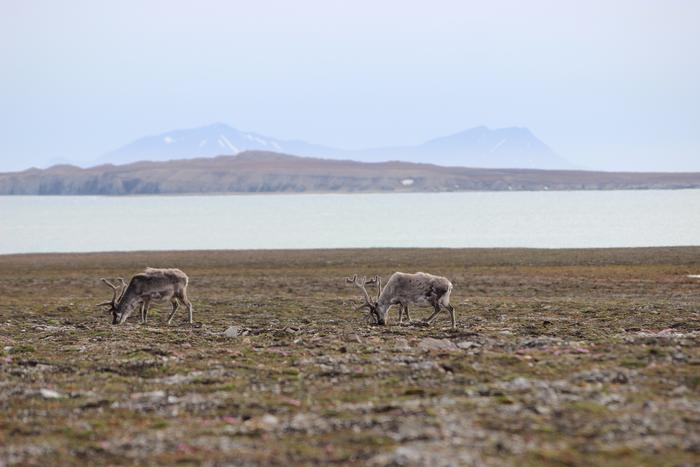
219, 126
511, 147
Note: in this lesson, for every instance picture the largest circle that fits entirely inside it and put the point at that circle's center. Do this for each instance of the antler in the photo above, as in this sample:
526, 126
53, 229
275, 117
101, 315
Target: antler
123, 286
361, 285
114, 288
376, 280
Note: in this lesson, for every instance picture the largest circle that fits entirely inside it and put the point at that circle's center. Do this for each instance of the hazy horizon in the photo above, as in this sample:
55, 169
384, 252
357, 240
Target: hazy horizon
606, 86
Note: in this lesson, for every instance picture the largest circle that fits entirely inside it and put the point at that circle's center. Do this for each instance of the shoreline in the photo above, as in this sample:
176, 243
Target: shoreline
302, 251
342, 193
689, 254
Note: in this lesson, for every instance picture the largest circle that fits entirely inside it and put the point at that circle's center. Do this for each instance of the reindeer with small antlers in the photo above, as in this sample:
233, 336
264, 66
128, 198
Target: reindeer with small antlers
151, 285
403, 289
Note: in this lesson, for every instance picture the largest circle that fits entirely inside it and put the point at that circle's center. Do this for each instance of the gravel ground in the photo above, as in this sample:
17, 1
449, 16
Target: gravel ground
560, 357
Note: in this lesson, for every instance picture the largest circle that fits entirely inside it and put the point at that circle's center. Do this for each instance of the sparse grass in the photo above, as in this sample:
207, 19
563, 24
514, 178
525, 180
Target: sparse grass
567, 358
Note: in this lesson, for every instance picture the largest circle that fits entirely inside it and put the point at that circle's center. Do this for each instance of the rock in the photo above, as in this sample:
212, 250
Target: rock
604, 375
609, 399
540, 341
680, 390
152, 395
520, 384
425, 366
468, 344
679, 356
175, 379
430, 343
401, 345
353, 338
268, 422
301, 422
235, 331
620, 378
49, 394
403, 455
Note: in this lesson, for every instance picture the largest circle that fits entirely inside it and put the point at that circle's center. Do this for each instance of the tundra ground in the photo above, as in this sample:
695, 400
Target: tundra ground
567, 357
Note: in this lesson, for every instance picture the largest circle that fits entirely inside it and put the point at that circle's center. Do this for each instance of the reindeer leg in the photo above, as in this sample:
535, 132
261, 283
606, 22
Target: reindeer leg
451, 309
144, 310
405, 309
175, 305
400, 313
187, 303
432, 317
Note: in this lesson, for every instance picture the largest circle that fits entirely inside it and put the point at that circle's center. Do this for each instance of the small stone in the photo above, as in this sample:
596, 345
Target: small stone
426, 366
152, 395
290, 401
401, 345
520, 384
620, 378
269, 421
49, 394
354, 338
680, 390
467, 344
430, 343
234, 331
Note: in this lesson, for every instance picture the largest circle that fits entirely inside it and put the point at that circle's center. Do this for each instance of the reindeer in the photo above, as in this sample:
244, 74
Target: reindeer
403, 289
150, 285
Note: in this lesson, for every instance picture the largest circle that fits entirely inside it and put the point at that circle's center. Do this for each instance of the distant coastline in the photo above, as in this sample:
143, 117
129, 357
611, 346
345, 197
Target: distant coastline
267, 172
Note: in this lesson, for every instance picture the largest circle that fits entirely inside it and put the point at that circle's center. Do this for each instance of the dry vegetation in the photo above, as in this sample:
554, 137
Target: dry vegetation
266, 172
560, 358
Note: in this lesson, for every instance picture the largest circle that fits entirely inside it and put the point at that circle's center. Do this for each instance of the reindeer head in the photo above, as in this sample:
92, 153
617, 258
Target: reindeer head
369, 304
118, 291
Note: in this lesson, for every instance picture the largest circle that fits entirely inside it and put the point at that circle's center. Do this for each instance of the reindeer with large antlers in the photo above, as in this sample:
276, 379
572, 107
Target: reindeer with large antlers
369, 304
151, 285
403, 289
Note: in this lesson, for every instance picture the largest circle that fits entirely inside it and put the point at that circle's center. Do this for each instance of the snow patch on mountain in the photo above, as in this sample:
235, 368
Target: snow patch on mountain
513, 147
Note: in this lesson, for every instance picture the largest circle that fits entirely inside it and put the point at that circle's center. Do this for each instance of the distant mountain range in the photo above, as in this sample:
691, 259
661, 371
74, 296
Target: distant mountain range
267, 172
477, 147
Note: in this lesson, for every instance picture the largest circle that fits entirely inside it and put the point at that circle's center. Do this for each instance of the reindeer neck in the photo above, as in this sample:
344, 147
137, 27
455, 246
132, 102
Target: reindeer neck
128, 299
384, 299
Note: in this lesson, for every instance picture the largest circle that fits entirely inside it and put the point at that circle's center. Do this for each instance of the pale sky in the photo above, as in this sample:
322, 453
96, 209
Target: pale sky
607, 84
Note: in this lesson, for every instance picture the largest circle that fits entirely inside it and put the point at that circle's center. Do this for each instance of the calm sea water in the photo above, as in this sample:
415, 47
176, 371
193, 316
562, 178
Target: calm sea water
485, 219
